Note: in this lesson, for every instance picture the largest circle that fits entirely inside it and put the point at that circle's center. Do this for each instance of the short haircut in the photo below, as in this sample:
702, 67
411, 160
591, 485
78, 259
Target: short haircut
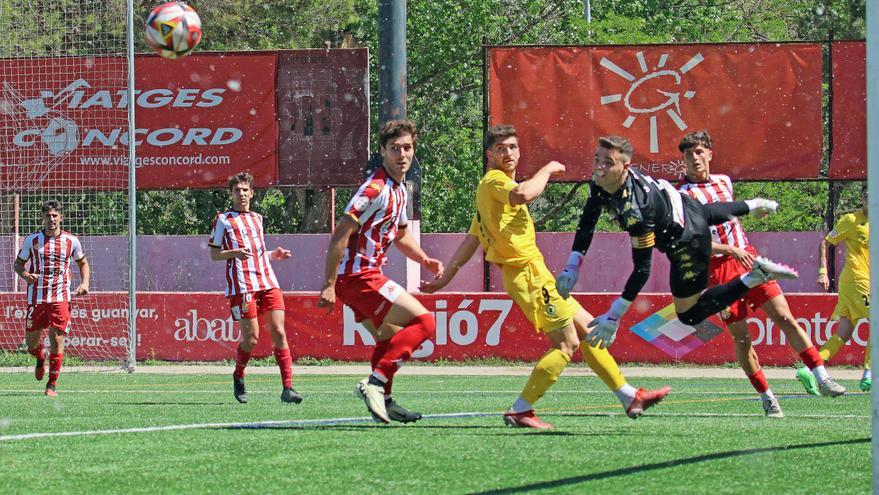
499, 133
51, 204
240, 177
694, 139
619, 143
396, 128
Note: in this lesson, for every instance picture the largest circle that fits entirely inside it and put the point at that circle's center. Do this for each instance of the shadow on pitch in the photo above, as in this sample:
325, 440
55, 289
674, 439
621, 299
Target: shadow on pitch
574, 480
170, 403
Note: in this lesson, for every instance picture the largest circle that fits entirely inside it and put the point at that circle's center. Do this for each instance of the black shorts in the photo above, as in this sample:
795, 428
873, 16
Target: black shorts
691, 252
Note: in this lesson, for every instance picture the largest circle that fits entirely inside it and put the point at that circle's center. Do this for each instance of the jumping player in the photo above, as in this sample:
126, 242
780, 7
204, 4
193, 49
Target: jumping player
733, 256
504, 228
854, 288
654, 213
48, 291
375, 217
251, 287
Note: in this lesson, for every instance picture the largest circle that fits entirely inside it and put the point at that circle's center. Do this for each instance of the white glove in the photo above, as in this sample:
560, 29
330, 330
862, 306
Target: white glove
604, 327
568, 278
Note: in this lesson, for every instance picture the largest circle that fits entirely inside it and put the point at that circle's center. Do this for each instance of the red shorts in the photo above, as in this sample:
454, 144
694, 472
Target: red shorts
250, 305
45, 315
369, 293
722, 269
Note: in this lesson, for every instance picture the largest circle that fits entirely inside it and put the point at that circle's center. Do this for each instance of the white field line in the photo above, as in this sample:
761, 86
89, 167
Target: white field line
304, 423
306, 393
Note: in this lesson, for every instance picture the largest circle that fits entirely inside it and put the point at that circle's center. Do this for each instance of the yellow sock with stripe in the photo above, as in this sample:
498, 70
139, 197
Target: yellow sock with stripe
867, 364
545, 373
831, 347
604, 365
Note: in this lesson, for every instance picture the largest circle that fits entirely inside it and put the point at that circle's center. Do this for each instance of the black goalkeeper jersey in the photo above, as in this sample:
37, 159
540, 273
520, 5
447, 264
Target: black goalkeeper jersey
650, 210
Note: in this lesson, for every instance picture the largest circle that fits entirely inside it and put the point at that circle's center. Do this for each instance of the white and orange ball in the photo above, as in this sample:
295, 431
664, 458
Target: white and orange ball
173, 29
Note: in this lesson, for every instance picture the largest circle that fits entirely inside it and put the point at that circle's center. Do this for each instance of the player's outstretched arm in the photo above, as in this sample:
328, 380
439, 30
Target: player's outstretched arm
85, 274
462, 255
410, 249
345, 227
218, 254
532, 188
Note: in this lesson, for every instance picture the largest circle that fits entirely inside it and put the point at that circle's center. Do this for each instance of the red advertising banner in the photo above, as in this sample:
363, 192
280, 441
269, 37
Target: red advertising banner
198, 327
848, 160
761, 102
323, 105
205, 117
198, 120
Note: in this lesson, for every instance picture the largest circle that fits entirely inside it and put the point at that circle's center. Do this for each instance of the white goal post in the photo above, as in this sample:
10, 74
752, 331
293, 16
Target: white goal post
66, 67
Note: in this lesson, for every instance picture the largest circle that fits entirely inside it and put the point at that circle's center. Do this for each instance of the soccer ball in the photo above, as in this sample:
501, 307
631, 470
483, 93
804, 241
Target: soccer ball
173, 29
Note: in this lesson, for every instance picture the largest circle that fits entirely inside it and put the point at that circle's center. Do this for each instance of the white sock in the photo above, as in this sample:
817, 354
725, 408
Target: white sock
767, 395
820, 373
521, 405
626, 394
867, 375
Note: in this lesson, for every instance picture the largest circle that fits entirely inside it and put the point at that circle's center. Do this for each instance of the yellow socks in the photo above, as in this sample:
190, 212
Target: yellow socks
831, 347
545, 373
604, 365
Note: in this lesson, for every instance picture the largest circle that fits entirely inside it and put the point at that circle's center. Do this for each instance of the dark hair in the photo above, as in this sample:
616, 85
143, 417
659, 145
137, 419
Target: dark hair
694, 139
396, 128
240, 177
618, 143
499, 133
51, 204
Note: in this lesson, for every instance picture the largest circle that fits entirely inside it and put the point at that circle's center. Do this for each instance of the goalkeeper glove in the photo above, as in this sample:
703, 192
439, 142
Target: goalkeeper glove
604, 328
568, 278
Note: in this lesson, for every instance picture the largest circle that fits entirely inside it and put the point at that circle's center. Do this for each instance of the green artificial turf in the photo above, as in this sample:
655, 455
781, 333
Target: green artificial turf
709, 436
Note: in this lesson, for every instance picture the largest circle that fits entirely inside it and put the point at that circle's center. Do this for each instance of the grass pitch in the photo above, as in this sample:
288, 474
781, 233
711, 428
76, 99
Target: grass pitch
142, 433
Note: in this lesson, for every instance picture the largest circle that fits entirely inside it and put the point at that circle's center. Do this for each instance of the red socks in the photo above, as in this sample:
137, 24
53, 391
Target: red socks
380, 349
401, 346
241, 361
55, 361
811, 358
285, 363
38, 352
758, 380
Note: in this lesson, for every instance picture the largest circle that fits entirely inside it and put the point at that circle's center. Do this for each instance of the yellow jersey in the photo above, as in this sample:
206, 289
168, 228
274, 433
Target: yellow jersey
854, 229
506, 232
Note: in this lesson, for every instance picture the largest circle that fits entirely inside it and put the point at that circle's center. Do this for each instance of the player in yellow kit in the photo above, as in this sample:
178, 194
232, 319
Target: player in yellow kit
504, 228
854, 287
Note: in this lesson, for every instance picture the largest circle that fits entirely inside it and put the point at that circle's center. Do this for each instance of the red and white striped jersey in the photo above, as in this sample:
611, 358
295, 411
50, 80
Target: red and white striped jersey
244, 229
718, 188
379, 206
50, 260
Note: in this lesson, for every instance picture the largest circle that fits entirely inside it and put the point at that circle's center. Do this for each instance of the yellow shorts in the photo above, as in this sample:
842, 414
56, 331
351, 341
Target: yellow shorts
853, 303
532, 287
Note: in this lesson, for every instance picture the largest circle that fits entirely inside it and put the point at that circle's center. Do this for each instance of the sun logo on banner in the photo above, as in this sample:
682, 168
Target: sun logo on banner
672, 103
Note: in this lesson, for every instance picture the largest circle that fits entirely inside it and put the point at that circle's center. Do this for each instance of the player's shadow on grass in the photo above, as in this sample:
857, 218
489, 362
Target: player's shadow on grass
574, 480
170, 403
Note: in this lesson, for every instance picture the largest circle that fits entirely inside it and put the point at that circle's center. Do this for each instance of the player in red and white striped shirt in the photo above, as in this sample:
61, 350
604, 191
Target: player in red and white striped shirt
375, 217
48, 292
237, 238
733, 256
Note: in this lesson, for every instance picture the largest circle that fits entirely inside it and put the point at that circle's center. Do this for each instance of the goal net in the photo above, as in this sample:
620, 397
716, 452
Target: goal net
64, 120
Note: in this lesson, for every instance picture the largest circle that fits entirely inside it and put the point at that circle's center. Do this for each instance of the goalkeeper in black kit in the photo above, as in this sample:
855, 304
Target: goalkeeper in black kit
656, 214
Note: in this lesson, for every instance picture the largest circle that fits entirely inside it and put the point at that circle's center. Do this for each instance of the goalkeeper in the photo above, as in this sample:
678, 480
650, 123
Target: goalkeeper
655, 214
504, 228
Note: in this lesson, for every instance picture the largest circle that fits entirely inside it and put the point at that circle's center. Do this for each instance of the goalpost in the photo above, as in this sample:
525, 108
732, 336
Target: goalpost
66, 70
